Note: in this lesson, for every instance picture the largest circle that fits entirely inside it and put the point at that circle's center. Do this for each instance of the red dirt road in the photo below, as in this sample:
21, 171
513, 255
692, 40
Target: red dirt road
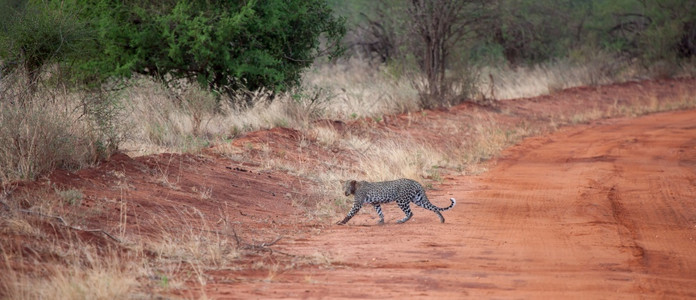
606, 210
599, 211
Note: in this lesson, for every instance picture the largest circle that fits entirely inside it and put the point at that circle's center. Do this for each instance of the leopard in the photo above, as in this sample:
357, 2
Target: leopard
402, 191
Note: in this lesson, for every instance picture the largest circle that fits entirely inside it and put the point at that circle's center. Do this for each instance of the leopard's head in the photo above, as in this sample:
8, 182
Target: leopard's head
349, 187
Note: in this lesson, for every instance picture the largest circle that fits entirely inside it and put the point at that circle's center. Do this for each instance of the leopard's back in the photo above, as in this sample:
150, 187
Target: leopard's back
402, 191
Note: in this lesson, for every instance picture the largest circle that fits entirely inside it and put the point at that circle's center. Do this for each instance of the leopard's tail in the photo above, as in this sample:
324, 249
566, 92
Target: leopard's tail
430, 206
454, 202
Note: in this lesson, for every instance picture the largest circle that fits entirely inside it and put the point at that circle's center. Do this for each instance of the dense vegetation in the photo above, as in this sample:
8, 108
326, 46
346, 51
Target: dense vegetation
82, 79
439, 35
529, 31
228, 44
63, 65
224, 45
201, 55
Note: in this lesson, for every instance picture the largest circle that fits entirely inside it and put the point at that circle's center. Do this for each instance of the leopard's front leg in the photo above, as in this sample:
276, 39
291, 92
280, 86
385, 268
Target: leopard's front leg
356, 207
379, 213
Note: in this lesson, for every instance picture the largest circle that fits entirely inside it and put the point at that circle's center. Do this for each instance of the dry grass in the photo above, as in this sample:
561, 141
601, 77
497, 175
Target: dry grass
41, 265
360, 90
490, 139
325, 136
36, 137
546, 78
45, 268
36, 265
158, 119
655, 105
686, 100
105, 278
198, 244
390, 159
53, 127
161, 120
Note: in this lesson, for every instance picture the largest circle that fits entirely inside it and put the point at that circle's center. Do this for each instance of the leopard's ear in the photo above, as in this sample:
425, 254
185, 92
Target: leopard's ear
353, 186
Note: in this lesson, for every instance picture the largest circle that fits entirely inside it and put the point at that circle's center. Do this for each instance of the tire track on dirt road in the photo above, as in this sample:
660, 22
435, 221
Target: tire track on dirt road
606, 210
630, 225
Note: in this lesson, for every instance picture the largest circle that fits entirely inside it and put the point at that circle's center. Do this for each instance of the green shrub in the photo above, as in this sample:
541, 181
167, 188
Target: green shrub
37, 35
224, 45
70, 196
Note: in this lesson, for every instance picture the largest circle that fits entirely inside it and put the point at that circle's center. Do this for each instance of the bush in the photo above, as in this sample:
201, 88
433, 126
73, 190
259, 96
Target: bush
38, 35
224, 45
72, 131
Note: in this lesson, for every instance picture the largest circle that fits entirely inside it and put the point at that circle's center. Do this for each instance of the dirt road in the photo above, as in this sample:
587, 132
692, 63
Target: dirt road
606, 210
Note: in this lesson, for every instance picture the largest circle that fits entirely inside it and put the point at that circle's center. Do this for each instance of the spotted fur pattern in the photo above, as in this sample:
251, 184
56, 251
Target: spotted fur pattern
402, 191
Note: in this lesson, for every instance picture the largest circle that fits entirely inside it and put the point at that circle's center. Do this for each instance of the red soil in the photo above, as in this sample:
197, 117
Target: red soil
599, 211
604, 210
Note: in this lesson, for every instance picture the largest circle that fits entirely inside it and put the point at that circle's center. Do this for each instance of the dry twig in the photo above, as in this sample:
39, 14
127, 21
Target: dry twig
65, 224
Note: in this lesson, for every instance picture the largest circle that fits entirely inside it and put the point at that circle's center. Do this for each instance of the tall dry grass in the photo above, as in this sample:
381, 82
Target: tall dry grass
104, 278
43, 258
37, 265
507, 82
52, 128
362, 90
36, 136
160, 119
163, 120
185, 120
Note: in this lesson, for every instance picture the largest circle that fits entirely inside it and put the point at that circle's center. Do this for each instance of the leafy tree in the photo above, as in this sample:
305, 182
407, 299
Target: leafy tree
531, 31
441, 26
671, 30
651, 30
38, 34
225, 44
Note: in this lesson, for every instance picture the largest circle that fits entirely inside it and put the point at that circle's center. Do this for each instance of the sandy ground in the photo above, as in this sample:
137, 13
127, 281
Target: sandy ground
596, 211
606, 210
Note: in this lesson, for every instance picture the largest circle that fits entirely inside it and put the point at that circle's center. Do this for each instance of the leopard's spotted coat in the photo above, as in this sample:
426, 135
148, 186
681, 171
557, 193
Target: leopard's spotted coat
401, 191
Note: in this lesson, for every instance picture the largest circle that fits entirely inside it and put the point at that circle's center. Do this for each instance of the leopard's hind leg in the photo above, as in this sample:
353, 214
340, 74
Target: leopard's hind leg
422, 201
442, 219
379, 212
407, 210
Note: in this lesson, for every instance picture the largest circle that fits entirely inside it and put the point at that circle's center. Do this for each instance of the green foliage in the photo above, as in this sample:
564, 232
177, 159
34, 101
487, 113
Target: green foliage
37, 34
103, 111
670, 22
654, 30
8, 11
534, 31
70, 196
225, 45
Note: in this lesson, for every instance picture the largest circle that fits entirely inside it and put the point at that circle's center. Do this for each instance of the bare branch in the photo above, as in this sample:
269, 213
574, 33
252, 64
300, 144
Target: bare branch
65, 224
441, 25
